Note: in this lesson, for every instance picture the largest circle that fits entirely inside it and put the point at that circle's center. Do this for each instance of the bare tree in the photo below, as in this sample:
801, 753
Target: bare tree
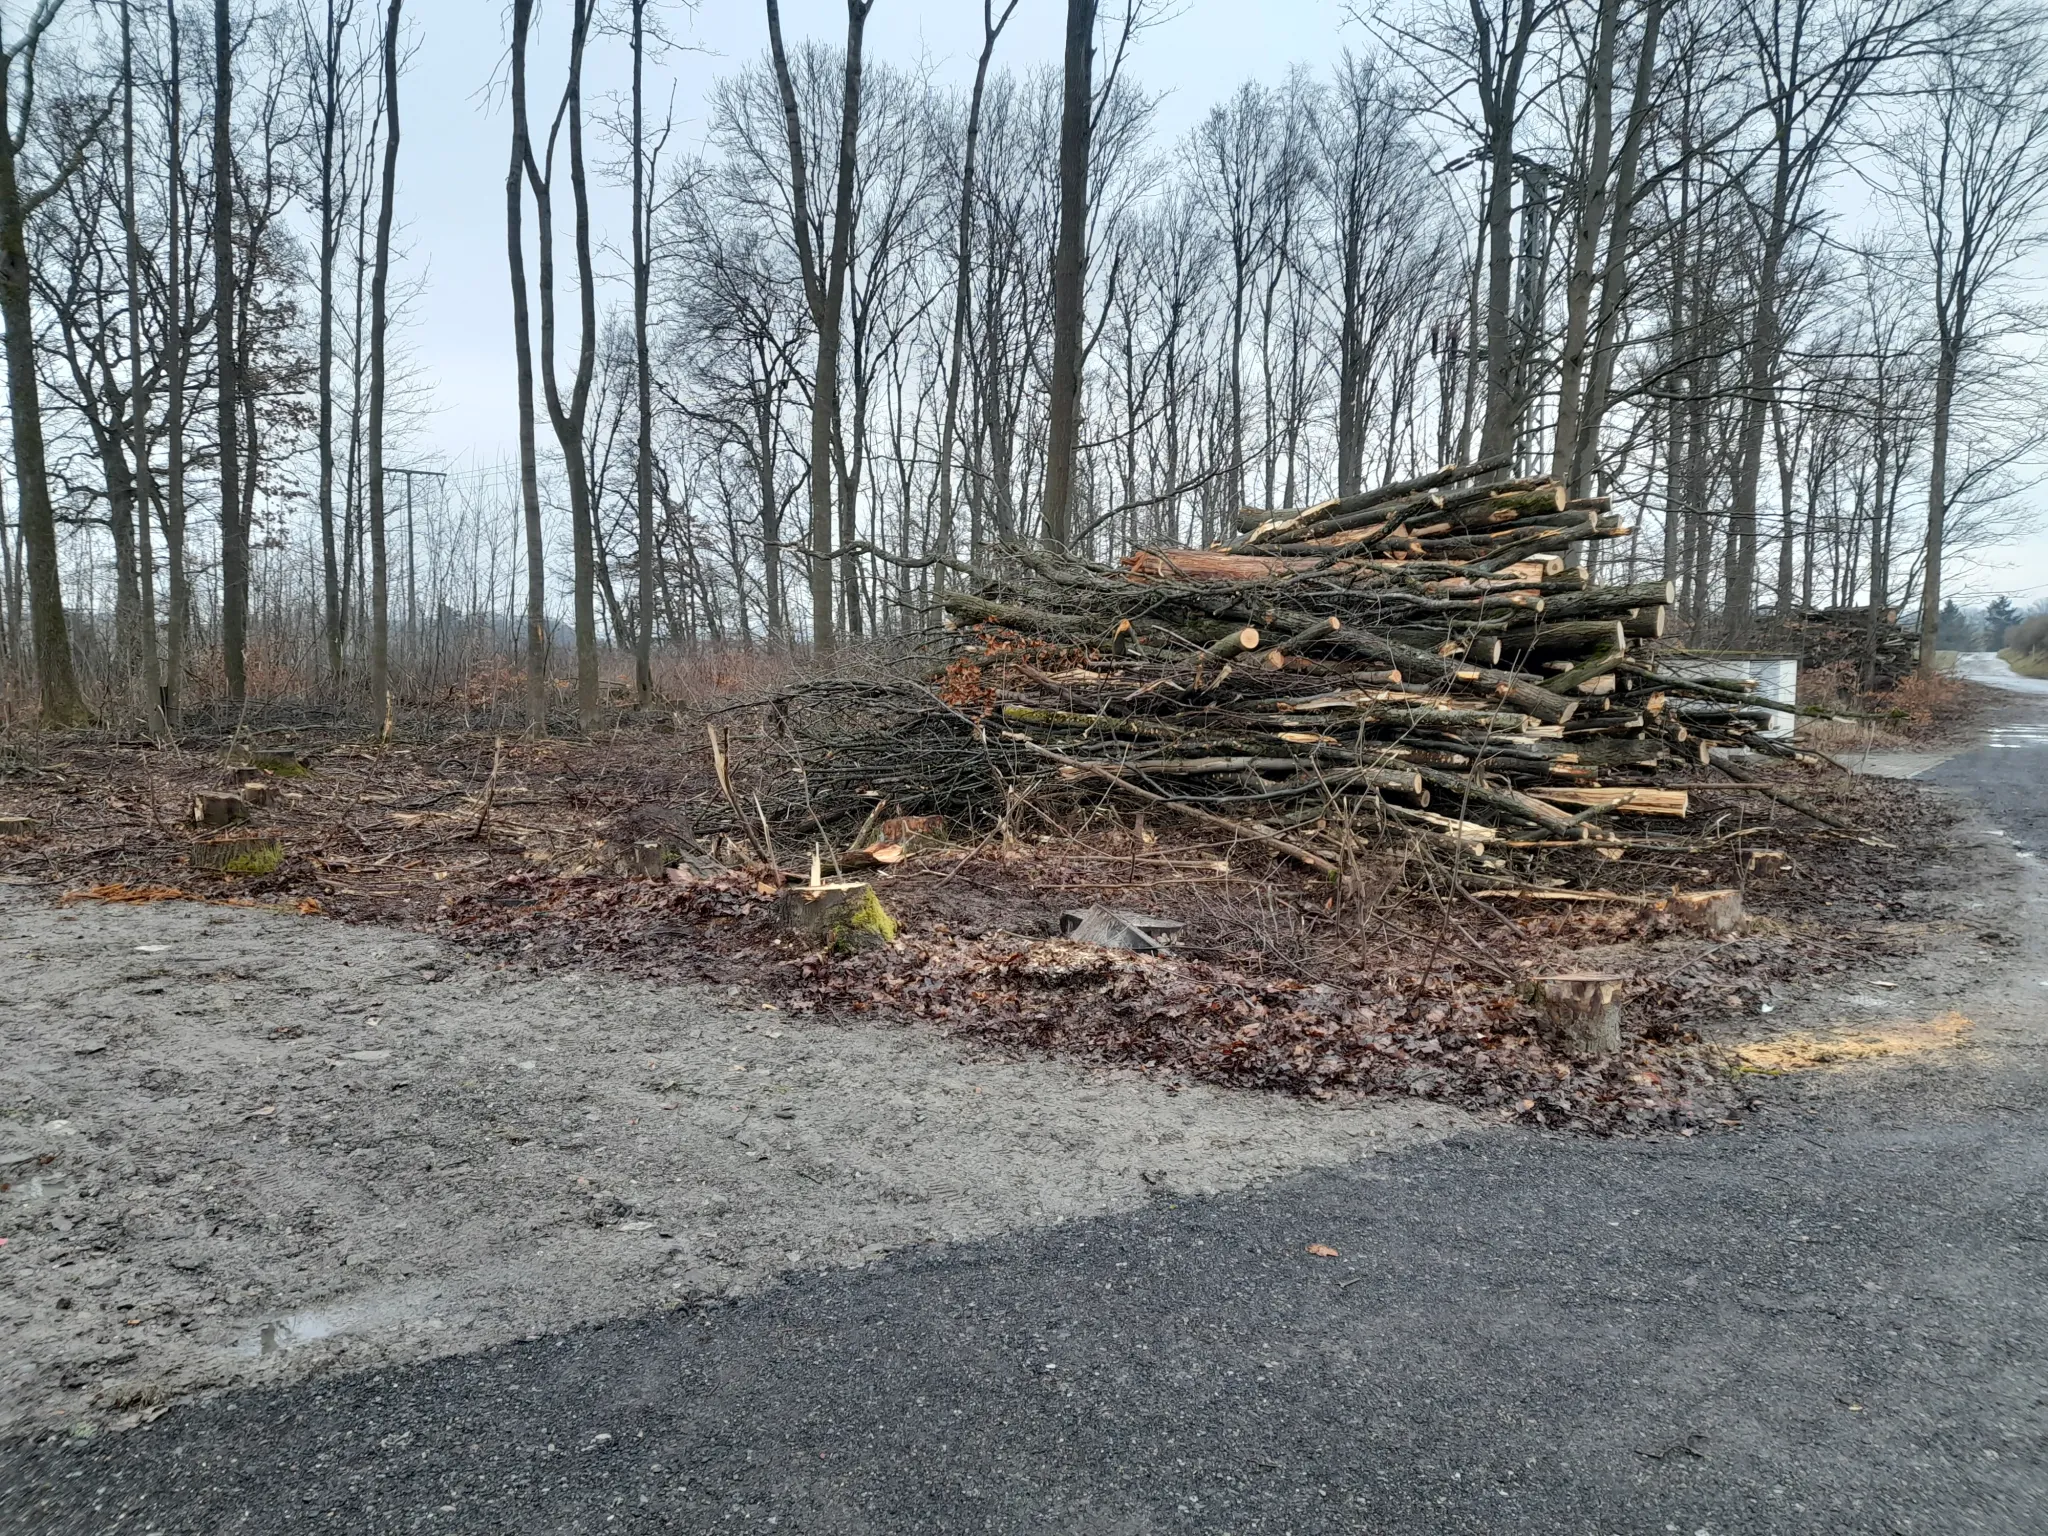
380, 325
963, 267
234, 532
56, 680
1973, 171
522, 346
1069, 274
824, 289
568, 414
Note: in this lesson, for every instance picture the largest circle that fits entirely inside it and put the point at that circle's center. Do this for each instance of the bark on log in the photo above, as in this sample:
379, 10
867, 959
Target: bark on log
1581, 1013
1640, 801
844, 916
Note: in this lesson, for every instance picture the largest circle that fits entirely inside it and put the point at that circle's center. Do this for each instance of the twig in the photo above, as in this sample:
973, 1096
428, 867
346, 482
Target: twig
490, 790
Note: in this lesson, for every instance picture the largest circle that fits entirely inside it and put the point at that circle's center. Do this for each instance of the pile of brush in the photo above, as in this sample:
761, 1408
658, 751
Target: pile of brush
1423, 659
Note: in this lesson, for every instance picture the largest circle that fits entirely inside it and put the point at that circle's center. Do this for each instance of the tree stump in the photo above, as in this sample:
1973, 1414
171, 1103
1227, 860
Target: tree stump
1581, 1012
246, 854
1765, 863
259, 792
648, 860
211, 810
841, 915
1717, 913
16, 826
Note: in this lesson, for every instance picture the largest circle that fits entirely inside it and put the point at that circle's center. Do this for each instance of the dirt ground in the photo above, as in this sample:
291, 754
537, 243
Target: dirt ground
240, 1145
515, 1092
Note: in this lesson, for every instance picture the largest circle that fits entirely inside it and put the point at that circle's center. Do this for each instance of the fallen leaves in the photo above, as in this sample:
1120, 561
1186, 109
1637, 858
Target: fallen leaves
121, 892
1323, 1251
1372, 1026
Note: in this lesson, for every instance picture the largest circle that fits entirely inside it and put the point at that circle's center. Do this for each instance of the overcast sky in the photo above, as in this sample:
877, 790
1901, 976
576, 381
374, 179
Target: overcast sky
452, 162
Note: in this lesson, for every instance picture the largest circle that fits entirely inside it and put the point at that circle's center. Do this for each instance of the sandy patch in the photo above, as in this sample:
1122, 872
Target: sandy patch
240, 1145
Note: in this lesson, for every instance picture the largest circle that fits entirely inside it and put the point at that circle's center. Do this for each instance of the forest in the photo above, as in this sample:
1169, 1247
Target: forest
1759, 273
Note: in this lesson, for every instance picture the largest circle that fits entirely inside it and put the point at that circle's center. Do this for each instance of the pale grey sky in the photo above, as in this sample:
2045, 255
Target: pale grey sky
453, 152
452, 165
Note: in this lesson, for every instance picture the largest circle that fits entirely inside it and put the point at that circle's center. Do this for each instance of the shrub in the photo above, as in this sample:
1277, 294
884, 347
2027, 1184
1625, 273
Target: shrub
2029, 635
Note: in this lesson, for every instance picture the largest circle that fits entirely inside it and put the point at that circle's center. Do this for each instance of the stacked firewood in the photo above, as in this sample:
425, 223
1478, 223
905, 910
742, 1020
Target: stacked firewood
1419, 659
1854, 640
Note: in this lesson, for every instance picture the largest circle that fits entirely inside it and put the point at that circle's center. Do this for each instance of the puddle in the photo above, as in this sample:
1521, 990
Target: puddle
285, 1333
295, 1330
2011, 736
1828, 1048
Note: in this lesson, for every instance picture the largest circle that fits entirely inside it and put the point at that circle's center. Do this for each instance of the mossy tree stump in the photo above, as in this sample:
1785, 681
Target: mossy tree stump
244, 854
844, 916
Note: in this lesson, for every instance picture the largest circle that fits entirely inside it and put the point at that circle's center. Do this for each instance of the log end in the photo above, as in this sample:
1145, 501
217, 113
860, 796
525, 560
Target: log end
1716, 913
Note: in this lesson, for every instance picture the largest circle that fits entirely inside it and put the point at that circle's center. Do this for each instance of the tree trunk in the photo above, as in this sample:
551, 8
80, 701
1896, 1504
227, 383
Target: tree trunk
56, 680
178, 596
522, 345
1500, 84
1937, 506
151, 677
643, 375
963, 260
330, 250
234, 533
1585, 243
380, 282
1614, 282
1069, 276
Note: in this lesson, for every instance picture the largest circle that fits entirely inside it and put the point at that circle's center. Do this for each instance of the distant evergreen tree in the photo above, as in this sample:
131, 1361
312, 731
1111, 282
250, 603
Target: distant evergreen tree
2000, 615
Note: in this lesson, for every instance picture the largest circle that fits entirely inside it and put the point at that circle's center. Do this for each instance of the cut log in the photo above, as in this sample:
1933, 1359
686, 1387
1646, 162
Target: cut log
243, 854
1581, 1013
1718, 913
1308, 634
1236, 643
913, 832
1625, 801
844, 916
214, 810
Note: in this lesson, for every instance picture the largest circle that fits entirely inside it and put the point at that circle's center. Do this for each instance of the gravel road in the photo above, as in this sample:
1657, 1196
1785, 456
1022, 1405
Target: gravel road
1831, 1320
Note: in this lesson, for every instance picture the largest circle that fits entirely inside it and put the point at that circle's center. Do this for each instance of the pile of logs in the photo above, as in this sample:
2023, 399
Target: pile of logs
1871, 645
1421, 659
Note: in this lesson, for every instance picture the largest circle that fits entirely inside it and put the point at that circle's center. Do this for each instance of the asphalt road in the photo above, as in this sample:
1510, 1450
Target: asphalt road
1830, 1321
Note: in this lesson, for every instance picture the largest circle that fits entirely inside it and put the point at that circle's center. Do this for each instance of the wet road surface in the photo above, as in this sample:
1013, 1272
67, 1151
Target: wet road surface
1831, 1321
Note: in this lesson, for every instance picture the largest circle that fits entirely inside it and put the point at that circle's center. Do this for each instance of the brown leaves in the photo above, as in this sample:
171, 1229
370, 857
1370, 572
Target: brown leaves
122, 893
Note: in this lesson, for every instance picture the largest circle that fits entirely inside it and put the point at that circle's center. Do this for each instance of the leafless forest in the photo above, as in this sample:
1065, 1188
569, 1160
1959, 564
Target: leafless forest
1757, 270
